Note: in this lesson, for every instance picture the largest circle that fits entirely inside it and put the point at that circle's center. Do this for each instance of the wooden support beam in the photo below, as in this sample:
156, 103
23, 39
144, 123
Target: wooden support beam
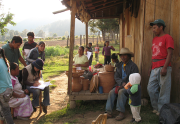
73, 12
102, 4
95, 10
91, 3
60, 11
105, 17
86, 34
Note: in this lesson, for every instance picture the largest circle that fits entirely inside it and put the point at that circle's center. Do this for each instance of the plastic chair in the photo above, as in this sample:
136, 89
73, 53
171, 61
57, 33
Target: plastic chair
101, 119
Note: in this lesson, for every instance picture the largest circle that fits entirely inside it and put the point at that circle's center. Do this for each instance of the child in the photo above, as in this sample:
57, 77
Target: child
115, 58
5, 90
30, 44
12, 50
97, 53
19, 100
107, 50
36, 53
134, 96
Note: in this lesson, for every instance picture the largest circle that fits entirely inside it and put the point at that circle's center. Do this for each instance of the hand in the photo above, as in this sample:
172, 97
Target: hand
22, 95
163, 71
120, 87
26, 91
123, 84
36, 84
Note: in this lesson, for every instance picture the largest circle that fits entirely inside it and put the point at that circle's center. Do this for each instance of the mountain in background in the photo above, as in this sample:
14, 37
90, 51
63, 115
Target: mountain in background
49, 26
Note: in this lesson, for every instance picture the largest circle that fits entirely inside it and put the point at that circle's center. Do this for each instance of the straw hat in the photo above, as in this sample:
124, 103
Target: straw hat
126, 51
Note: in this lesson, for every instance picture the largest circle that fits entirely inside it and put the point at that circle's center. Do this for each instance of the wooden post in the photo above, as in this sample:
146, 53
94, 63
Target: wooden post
93, 37
86, 34
67, 40
73, 12
108, 37
80, 39
84, 39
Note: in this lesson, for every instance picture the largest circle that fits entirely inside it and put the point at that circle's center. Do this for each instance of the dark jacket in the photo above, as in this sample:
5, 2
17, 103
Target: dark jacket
34, 54
130, 68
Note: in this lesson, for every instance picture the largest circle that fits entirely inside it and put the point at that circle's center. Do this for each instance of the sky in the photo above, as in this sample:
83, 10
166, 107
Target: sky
27, 9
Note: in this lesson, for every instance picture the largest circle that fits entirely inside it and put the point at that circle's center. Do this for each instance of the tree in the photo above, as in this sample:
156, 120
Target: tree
24, 33
41, 33
16, 33
11, 34
105, 25
66, 34
5, 19
54, 35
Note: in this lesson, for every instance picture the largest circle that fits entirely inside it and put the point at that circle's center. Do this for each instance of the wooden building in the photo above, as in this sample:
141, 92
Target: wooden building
135, 31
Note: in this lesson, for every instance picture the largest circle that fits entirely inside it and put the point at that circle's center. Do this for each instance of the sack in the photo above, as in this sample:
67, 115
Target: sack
170, 114
7, 94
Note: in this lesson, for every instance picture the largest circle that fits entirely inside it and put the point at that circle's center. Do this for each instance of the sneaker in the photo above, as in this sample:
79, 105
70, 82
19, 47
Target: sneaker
44, 108
154, 111
157, 113
22, 118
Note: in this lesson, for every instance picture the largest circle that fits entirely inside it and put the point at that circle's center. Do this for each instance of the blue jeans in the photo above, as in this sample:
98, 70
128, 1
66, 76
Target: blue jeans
36, 93
121, 100
159, 97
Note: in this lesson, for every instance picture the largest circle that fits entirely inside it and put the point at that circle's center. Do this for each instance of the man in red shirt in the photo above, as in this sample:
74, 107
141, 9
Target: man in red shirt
160, 71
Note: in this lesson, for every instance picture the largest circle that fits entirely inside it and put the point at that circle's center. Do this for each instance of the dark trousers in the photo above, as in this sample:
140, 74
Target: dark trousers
90, 60
107, 60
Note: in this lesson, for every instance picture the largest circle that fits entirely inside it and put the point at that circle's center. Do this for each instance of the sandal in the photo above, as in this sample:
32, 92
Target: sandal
44, 108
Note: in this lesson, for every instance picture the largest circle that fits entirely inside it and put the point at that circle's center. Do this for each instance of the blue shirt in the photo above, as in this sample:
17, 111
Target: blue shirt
5, 78
123, 72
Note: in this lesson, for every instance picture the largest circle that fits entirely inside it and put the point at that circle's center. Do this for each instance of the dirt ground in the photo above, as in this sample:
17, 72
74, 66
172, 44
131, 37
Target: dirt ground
59, 99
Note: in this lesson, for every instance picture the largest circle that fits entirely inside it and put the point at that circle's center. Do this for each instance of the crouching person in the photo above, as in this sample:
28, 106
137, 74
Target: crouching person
134, 91
123, 70
5, 90
31, 76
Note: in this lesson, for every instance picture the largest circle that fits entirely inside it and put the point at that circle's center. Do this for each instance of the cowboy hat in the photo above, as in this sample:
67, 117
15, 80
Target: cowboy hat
126, 51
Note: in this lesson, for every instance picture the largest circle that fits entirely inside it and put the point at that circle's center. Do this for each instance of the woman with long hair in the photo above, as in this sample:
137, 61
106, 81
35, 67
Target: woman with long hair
31, 76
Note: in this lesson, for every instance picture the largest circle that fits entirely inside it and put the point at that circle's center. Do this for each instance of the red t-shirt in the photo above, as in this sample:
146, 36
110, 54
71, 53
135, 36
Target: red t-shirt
159, 49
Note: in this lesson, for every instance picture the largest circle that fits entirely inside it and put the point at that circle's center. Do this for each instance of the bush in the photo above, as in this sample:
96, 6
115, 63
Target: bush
56, 51
76, 36
63, 38
24, 39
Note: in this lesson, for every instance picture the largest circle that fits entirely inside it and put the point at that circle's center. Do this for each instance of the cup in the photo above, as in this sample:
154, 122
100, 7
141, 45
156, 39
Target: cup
126, 86
100, 89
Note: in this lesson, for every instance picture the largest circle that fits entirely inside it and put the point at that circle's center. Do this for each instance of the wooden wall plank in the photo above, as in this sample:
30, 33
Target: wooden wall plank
175, 33
146, 50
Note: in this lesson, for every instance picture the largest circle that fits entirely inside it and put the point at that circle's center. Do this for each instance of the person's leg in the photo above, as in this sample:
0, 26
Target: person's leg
165, 89
153, 87
96, 56
136, 113
110, 101
46, 96
121, 101
36, 93
105, 60
5, 111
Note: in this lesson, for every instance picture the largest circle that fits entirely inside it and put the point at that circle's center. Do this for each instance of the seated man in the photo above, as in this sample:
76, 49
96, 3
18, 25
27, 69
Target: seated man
123, 70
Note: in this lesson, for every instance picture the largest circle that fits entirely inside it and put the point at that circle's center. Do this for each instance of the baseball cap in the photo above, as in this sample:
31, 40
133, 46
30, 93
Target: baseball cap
158, 21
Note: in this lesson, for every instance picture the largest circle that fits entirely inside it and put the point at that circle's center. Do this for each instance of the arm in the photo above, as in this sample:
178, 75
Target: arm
22, 61
43, 56
132, 90
30, 56
18, 95
112, 48
117, 77
82, 65
25, 76
168, 60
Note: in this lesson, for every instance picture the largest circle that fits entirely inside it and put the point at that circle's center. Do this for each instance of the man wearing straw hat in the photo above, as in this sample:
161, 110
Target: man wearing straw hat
123, 70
